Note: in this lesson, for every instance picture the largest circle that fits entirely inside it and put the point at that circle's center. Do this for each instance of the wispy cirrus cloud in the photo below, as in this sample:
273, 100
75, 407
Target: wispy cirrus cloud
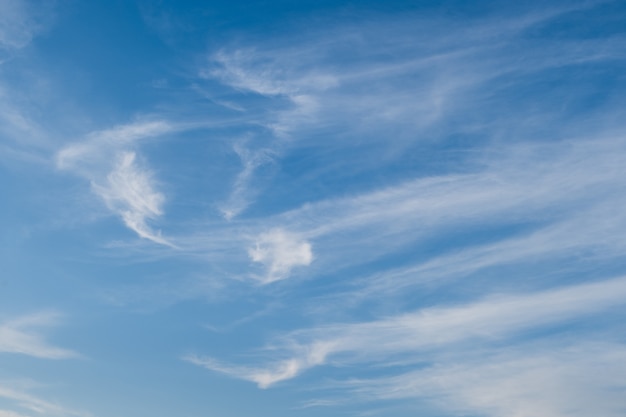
411, 337
108, 159
129, 192
579, 239
9, 413
572, 183
332, 92
542, 186
444, 169
18, 24
553, 381
21, 336
21, 133
262, 377
25, 402
241, 194
364, 113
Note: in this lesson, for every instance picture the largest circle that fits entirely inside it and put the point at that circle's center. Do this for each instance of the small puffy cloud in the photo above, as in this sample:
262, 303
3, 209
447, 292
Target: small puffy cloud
280, 251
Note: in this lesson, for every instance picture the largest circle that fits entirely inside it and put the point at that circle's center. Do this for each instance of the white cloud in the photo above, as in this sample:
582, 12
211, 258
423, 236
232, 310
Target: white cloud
34, 404
93, 154
241, 194
23, 137
280, 251
564, 187
266, 377
277, 76
9, 413
563, 239
410, 337
331, 87
19, 336
266, 73
262, 377
278, 81
129, 191
571, 381
17, 24
108, 159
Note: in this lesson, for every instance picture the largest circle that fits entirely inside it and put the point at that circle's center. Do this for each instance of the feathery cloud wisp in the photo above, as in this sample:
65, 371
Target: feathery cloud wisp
108, 160
411, 336
551, 381
34, 404
129, 191
239, 198
264, 378
9, 413
17, 24
18, 336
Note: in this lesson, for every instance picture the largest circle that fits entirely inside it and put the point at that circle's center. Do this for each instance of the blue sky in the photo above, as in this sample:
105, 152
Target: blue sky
312, 208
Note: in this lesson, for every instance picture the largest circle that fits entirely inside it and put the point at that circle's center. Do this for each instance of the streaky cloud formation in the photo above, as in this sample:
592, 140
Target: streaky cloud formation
410, 334
20, 335
240, 195
262, 377
17, 24
389, 209
28, 403
7, 413
551, 381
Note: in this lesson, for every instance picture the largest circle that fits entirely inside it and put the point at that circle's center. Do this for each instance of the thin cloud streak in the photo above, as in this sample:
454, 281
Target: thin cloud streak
552, 381
241, 194
20, 336
8, 413
18, 24
307, 93
571, 182
579, 237
26, 401
409, 335
462, 174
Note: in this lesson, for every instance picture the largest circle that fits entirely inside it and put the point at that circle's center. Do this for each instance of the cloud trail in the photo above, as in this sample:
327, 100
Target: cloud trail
408, 337
18, 336
18, 24
552, 381
33, 404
